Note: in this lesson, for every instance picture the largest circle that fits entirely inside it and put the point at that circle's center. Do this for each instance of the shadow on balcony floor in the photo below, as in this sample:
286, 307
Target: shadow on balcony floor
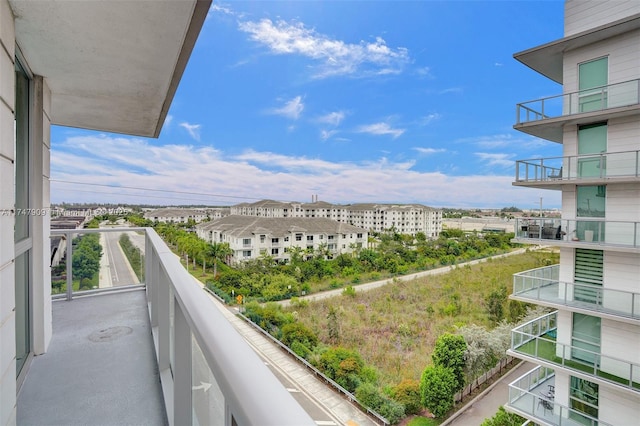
100, 368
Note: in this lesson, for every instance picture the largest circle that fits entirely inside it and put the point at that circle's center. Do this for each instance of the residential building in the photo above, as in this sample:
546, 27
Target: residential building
176, 215
252, 237
113, 67
403, 218
588, 348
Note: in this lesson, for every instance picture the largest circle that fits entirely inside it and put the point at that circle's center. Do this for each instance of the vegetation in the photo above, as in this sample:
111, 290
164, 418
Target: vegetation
86, 260
437, 388
134, 255
502, 418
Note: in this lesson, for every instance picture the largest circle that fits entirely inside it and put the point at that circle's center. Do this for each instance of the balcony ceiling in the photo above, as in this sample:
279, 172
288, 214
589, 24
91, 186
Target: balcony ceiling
110, 65
547, 59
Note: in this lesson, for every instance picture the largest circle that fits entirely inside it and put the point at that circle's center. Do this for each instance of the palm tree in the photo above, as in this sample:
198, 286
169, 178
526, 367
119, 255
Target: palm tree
219, 251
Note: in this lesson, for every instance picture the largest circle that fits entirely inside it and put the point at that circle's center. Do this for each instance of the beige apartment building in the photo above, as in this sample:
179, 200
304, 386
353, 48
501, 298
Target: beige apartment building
404, 218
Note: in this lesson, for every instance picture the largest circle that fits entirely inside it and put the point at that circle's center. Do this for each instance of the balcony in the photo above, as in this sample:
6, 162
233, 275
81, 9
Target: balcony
535, 341
546, 117
583, 233
543, 285
532, 397
551, 173
113, 342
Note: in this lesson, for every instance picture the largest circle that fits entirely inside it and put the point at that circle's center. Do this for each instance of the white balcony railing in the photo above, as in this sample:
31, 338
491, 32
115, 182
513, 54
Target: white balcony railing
537, 339
579, 167
596, 99
543, 284
529, 396
198, 349
596, 232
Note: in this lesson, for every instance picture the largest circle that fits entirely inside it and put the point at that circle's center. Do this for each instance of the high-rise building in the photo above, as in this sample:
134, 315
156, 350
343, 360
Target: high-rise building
588, 347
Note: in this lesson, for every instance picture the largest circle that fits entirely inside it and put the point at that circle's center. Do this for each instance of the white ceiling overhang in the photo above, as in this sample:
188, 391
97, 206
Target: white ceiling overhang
547, 59
110, 65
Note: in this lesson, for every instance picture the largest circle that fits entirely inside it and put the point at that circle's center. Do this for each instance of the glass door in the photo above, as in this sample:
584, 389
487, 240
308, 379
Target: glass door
592, 144
22, 231
585, 339
593, 79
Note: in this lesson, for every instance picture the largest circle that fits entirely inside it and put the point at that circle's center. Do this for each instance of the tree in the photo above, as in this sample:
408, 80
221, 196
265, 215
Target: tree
502, 418
449, 351
495, 304
407, 392
218, 251
437, 388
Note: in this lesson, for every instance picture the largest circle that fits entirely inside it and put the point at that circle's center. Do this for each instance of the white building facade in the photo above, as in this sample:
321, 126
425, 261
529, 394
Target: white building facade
251, 237
588, 347
403, 218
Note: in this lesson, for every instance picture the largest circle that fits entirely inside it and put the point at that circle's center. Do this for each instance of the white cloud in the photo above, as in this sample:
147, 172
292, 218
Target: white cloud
496, 159
327, 134
193, 129
335, 57
498, 64
123, 161
380, 129
429, 118
291, 109
333, 118
429, 151
167, 121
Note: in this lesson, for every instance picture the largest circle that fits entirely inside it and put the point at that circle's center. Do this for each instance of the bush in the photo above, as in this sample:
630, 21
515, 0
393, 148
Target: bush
370, 396
449, 351
407, 393
437, 388
298, 332
349, 291
342, 365
502, 418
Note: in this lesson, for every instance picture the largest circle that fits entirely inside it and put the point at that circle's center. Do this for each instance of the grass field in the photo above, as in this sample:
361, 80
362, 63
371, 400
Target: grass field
394, 327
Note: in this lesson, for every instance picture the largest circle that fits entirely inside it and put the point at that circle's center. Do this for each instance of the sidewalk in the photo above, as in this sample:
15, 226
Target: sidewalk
487, 403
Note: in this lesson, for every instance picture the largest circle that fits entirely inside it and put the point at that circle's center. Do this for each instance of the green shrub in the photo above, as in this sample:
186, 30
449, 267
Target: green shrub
437, 388
349, 291
407, 393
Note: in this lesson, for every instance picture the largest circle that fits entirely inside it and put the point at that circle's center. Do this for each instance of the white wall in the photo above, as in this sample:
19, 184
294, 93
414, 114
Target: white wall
618, 407
581, 15
7, 296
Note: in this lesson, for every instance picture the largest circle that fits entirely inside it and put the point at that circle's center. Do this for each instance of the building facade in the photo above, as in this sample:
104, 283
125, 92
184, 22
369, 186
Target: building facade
403, 218
588, 347
177, 215
251, 237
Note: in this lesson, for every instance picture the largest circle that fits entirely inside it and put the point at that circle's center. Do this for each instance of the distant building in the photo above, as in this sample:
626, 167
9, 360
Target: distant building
180, 215
403, 218
250, 237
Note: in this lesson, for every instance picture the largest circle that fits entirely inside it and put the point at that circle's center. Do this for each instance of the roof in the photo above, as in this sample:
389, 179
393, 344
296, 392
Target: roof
110, 66
174, 213
247, 226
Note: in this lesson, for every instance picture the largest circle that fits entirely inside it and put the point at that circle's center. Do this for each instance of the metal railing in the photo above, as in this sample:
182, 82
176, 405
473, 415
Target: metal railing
208, 372
537, 339
579, 167
596, 99
544, 284
529, 396
597, 232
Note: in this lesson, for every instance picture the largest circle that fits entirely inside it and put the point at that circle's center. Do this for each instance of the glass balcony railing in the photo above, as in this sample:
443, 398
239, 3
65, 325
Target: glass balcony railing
537, 339
209, 374
532, 396
543, 284
596, 232
596, 99
579, 167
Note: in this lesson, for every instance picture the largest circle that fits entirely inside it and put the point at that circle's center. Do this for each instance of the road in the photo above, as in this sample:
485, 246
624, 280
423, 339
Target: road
119, 269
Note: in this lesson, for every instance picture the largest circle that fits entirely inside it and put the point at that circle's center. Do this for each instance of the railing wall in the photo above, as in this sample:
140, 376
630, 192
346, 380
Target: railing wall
209, 374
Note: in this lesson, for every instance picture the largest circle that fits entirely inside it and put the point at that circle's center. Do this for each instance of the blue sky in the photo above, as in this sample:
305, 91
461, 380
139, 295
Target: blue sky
355, 101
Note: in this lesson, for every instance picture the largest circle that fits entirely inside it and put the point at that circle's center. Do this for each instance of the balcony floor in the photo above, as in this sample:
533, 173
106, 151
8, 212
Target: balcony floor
100, 368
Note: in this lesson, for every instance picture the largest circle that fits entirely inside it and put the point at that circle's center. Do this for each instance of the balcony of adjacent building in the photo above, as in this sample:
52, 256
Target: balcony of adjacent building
590, 233
546, 117
594, 169
536, 341
542, 286
136, 341
533, 396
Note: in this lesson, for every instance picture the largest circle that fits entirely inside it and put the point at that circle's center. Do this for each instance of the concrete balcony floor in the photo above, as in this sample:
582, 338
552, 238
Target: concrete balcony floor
100, 368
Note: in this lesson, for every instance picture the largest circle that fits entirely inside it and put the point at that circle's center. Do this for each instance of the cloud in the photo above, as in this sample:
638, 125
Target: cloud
227, 179
334, 57
333, 118
193, 129
327, 134
429, 151
506, 140
429, 118
498, 64
291, 109
380, 129
167, 121
496, 159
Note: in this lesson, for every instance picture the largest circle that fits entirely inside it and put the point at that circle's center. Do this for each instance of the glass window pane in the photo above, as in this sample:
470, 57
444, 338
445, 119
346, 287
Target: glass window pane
591, 200
593, 74
23, 332
21, 164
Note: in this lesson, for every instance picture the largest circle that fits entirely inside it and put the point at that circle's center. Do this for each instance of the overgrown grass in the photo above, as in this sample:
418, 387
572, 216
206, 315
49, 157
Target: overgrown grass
423, 421
395, 327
